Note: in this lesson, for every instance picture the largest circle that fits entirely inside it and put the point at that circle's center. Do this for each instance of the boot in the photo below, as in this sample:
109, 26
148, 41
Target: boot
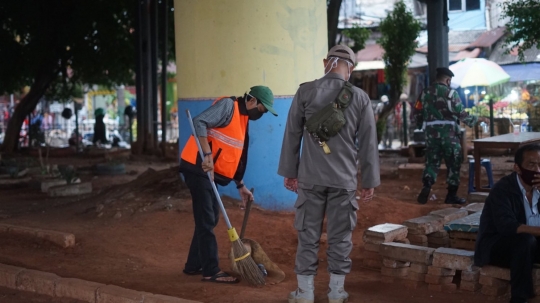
305, 291
336, 290
424, 194
452, 198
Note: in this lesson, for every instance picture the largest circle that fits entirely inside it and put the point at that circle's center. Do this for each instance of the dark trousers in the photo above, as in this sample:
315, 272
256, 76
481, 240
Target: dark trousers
203, 252
517, 252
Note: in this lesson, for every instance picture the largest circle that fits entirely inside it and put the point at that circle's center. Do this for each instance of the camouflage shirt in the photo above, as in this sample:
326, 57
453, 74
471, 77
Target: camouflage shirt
440, 103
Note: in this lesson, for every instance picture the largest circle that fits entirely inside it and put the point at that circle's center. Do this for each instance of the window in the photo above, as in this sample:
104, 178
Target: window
463, 5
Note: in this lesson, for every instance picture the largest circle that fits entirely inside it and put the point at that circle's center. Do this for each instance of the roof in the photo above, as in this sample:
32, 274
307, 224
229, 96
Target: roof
467, 54
371, 52
488, 38
451, 48
498, 56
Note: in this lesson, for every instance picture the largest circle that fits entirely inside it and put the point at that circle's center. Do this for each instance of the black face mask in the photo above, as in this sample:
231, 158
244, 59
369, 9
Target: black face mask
527, 175
254, 114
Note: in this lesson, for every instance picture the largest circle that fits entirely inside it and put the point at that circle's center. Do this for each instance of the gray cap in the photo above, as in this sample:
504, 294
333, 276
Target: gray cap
342, 52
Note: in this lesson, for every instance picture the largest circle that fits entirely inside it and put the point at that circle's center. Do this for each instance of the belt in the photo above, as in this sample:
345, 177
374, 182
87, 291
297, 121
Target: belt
440, 122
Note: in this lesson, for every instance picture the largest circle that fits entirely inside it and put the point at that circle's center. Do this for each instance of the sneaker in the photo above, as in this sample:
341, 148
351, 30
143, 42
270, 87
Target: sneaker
295, 297
424, 195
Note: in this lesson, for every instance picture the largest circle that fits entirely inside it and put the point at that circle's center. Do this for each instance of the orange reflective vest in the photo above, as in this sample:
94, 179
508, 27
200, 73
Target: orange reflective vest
226, 143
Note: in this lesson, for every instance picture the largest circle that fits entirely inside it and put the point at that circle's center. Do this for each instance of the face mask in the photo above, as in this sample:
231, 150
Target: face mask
527, 175
254, 114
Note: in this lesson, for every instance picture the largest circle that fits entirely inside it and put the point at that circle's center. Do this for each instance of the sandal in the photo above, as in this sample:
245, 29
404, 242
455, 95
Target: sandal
193, 272
215, 278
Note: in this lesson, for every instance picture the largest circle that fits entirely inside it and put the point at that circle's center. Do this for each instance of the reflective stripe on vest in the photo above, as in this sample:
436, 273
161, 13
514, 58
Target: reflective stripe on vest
226, 141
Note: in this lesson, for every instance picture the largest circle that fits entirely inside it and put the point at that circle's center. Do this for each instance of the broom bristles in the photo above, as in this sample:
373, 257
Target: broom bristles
247, 267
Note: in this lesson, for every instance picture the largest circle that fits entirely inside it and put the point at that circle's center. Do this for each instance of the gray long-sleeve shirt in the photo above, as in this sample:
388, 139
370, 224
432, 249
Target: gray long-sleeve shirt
339, 168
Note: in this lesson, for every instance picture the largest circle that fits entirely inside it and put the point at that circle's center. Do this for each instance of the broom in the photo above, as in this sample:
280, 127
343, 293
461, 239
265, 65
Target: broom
246, 265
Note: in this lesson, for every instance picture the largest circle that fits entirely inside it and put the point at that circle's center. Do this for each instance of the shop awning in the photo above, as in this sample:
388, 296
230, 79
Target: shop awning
522, 72
369, 65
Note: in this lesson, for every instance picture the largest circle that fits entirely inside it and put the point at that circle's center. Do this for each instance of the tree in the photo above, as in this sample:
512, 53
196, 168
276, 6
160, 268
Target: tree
359, 35
56, 46
523, 25
399, 31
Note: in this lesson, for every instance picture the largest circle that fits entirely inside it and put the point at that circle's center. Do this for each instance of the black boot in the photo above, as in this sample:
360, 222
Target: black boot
424, 194
452, 198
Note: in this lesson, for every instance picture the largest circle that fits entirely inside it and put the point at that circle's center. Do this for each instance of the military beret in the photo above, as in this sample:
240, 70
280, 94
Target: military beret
445, 71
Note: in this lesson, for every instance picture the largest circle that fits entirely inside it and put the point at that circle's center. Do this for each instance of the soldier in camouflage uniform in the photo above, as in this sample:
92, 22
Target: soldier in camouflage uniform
440, 108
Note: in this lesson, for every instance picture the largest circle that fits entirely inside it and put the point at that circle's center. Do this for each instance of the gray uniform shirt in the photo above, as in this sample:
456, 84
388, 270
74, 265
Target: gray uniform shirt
339, 168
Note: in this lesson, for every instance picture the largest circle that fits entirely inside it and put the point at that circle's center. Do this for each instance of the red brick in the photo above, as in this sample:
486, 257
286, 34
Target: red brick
371, 247
37, 281
430, 279
470, 275
438, 234
424, 225
417, 238
462, 235
469, 286
449, 214
495, 272
8, 276
115, 294
77, 289
418, 268
453, 258
439, 271
489, 281
407, 253
395, 264
19, 231
372, 240
394, 272
494, 291
150, 298
59, 238
442, 287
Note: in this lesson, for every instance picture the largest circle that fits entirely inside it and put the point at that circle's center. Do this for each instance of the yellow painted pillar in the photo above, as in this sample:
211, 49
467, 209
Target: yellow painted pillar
224, 47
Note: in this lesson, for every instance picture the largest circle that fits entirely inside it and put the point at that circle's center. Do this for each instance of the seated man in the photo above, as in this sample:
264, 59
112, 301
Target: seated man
510, 223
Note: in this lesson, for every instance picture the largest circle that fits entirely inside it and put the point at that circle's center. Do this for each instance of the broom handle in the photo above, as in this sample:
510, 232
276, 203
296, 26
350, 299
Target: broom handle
246, 215
201, 153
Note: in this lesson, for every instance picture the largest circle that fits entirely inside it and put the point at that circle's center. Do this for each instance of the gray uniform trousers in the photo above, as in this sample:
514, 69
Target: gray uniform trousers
340, 207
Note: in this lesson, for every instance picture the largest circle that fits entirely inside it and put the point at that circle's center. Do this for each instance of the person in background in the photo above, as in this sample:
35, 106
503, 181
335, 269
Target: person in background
390, 125
510, 224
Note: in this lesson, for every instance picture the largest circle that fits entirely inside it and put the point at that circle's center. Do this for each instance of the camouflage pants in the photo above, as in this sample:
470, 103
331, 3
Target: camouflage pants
447, 147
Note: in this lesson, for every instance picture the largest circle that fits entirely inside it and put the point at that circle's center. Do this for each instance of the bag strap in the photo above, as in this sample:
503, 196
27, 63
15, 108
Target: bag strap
344, 97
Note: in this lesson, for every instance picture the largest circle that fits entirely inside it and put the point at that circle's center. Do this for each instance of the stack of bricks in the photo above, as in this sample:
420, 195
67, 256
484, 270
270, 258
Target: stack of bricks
405, 263
420, 227
447, 262
375, 236
441, 238
495, 281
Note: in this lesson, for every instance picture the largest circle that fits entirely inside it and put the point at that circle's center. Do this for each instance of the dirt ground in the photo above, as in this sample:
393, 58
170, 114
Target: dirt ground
134, 231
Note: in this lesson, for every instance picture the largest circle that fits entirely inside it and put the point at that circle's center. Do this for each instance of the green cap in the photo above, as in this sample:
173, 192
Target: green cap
265, 96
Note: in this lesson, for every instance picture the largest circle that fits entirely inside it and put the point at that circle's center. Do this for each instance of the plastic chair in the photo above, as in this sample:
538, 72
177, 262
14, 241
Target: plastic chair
486, 163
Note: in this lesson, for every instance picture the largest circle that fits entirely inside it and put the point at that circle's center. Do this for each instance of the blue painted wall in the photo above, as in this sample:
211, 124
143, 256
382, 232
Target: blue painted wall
265, 139
468, 20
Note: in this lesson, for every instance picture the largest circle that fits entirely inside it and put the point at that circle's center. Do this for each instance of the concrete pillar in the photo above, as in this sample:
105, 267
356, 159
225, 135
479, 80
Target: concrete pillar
437, 18
224, 47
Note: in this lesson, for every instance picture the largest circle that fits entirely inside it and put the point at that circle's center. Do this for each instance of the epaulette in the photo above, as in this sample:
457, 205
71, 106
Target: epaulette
302, 84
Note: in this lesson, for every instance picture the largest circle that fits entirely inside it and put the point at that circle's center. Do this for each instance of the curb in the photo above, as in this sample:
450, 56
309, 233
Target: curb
91, 292
62, 239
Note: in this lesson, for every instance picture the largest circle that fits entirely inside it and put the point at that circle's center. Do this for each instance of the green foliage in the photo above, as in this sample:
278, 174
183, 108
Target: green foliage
399, 31
77, 42
359, 35
523, 26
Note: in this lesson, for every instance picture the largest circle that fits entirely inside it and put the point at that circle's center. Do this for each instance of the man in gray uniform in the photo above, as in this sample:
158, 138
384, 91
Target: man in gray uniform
326, 183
